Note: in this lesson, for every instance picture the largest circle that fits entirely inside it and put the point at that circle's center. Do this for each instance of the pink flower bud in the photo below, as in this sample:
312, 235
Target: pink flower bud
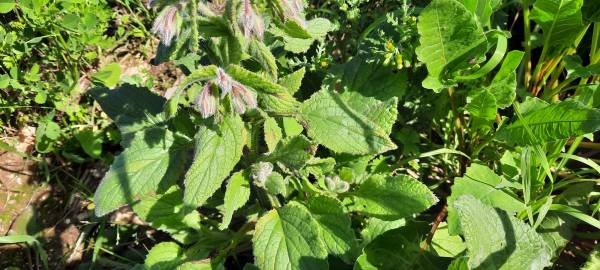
251, 22
293, 10
206, 101
224, 81
242, 98
166, 26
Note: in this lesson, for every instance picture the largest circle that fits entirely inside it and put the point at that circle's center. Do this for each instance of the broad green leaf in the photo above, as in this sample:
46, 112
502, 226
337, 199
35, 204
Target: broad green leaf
392, 198
131, 108
382, 113
151, 162
108, 75
272, 132
556, 121
560, 20
164, 256
369, 78
165, 212
289, 238
376, 227
293, 81
291, 153
445, 245
333, 123
480, 182
236, 195
504, 84
217, 152
497, 240
335, 225
450, 36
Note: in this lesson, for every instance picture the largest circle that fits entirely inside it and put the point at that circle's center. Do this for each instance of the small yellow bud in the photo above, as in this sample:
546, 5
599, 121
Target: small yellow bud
324, 64
389, 45
91, 206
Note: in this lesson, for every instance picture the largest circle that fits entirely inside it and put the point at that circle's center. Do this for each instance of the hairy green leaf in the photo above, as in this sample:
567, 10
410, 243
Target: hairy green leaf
165, 212
335, 225
392, 198
341, 128
131, 108
482, 183
289, 238
272, 132
217, 152
236, 195
497, 240
369, 78
151, 162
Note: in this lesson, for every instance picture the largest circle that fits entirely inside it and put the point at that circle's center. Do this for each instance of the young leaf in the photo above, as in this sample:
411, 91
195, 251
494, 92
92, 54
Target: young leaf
339, 127
450, 36
217, 152
289, 238
556, 121
273, 133
504, 84
560, 21
391, 198
335, 225
496, 240
291, 153
151, 162
293, 81
236, 195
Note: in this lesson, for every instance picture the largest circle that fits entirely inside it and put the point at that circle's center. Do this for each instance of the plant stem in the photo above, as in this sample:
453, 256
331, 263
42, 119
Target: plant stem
527, 33
436, 222
194, 15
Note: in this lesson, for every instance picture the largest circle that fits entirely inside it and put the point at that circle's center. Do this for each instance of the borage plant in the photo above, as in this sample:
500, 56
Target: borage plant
249, 164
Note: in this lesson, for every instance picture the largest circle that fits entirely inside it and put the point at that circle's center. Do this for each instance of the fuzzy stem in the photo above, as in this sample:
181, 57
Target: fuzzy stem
194, 15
